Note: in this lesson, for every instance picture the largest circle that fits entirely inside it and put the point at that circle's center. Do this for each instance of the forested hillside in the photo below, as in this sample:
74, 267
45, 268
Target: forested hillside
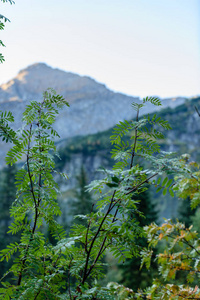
93, 151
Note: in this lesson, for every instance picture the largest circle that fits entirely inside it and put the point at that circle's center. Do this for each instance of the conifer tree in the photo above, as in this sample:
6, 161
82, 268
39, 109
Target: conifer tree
82, 204
185, 212
8, 194
132, 276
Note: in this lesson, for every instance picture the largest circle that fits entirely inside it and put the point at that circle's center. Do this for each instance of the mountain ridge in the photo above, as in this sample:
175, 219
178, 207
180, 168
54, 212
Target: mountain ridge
36, 78
33, 80
93, 107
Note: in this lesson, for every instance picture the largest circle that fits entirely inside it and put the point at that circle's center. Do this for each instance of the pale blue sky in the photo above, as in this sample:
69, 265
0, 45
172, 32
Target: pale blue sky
138, 47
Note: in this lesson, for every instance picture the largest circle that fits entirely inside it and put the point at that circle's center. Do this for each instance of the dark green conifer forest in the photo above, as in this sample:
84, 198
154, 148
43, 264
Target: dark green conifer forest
132, 276
82, 204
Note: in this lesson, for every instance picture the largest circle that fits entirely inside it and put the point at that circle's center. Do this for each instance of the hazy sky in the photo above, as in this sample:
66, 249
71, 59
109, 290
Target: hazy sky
138, 47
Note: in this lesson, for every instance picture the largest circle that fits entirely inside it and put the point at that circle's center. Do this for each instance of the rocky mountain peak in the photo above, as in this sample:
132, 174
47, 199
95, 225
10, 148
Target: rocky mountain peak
35, 79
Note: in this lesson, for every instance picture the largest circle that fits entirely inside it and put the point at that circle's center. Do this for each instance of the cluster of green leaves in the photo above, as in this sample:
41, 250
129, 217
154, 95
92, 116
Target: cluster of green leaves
188, 186
179, 258
144, 136
8, 193
6, 132
67, 270
35, 204
167, 184
181, 255
114, 226
3, 19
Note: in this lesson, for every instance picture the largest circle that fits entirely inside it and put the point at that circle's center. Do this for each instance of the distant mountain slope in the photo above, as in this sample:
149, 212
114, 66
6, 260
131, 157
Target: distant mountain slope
93, 107
93, 151
183, 138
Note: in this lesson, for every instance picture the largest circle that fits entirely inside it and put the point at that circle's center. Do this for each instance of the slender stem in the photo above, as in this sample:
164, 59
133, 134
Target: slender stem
141, 183
34, 199
102, 248
36, 202
88, 227
135, 140
40, 151
197, 111
112, 204
28, 166
188, 243
36, 295
95, 237
86, 237
69, 284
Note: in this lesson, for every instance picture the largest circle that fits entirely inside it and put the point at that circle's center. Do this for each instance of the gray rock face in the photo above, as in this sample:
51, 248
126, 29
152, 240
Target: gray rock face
93, 107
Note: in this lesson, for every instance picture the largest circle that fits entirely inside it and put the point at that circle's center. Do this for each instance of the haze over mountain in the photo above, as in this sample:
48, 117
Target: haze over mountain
93, 107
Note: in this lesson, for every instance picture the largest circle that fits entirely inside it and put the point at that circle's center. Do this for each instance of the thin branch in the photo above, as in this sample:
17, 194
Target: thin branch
36, 295
197, 111
135, 141
28, 167
36, 204
183, 296
34, 198
69, 284
86, 236
95, 237
102, 248
145, 181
